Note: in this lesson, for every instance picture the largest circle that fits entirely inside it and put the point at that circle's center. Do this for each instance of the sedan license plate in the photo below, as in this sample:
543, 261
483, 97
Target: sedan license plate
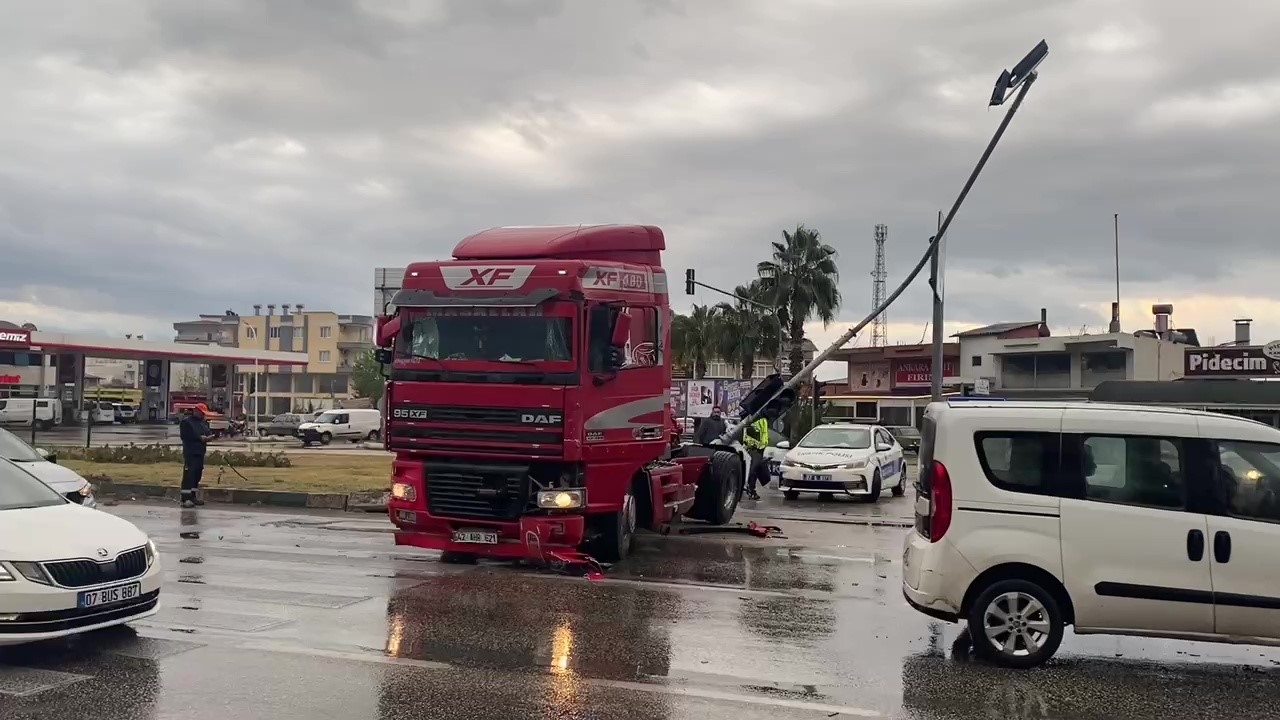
107, 596
482, 537
817, 478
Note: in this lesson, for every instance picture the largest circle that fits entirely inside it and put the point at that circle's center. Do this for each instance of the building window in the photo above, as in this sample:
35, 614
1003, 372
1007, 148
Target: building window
976, 361
326, 331
1040, 371
274, 332
324, 356
1102, 366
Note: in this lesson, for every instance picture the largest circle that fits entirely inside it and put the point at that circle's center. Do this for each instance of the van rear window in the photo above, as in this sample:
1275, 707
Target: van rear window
1022, 462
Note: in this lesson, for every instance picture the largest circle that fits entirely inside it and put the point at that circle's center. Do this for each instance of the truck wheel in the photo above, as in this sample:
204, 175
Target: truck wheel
719, 489
615, 532
325, 438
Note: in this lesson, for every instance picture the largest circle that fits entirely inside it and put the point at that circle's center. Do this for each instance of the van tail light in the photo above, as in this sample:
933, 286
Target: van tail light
939, 501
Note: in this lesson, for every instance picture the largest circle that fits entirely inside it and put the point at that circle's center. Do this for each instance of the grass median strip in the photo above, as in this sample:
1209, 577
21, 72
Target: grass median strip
321, 473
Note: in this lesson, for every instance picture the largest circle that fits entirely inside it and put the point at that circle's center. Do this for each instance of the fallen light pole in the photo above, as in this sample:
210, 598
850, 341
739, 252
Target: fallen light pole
1020, 80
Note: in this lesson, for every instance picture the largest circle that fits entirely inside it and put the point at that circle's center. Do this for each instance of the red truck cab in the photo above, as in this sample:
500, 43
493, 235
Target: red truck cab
528, 399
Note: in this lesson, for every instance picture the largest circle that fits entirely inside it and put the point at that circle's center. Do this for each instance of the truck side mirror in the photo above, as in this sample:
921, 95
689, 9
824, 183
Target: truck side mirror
621, 330
388, 329
384, 356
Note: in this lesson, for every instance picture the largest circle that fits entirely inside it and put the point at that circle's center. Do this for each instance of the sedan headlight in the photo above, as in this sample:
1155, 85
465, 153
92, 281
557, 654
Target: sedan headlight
86, 489
855, 465
561, 499
33, 572
151, 552
5, 575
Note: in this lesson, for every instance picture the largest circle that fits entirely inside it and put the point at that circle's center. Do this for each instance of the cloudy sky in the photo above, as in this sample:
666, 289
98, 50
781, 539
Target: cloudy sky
168, 157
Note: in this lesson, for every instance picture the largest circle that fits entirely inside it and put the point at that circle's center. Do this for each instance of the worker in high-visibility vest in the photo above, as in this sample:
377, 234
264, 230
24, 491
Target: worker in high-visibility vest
755, 438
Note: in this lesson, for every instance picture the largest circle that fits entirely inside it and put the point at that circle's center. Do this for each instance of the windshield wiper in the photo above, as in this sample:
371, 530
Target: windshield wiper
515, 361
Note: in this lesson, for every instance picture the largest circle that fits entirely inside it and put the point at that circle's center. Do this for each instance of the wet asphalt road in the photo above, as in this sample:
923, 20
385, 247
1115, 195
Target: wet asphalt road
317, 615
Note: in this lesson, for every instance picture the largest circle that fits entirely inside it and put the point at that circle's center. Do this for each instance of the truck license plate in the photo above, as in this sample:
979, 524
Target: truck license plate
106, 596
482, 537
817, 478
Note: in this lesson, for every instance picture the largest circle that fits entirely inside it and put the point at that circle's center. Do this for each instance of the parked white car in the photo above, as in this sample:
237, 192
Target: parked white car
1114, 519
353, 425
44, 466
856, 460
66, 569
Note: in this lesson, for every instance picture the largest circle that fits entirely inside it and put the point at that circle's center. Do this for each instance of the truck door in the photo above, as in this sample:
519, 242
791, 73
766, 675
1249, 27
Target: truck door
627, 407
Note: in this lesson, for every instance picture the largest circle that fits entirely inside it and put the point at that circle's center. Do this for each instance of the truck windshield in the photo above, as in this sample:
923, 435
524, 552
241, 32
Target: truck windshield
489, 337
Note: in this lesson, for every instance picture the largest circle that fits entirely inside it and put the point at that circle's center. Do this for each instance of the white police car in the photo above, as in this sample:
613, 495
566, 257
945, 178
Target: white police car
857, 460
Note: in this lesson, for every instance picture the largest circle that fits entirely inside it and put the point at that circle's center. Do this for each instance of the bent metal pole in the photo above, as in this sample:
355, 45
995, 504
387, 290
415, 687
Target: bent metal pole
821, 357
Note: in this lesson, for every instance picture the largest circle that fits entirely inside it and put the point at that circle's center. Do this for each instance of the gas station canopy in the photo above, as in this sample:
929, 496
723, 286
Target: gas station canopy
129, 349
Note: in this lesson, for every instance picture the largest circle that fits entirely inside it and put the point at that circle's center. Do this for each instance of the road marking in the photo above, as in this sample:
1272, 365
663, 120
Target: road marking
703, 693
842, 558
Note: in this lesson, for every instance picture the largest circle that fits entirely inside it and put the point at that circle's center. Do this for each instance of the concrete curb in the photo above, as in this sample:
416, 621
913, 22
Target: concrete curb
375, 501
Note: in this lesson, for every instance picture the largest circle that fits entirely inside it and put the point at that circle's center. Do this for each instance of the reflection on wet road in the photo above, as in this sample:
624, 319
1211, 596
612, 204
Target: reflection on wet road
317, 615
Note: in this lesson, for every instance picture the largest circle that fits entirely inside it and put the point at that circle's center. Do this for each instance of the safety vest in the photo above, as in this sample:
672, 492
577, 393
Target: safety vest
758, 438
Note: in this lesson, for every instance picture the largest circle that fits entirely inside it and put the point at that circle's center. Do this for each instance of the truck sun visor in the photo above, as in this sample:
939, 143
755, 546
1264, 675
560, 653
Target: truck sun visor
429, 299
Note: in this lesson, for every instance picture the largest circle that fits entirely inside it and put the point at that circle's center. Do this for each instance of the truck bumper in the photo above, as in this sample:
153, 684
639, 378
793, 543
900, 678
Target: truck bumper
526, 539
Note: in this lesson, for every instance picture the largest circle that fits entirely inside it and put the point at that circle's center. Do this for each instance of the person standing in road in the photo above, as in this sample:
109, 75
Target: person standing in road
195, 434
756, 438
710, 428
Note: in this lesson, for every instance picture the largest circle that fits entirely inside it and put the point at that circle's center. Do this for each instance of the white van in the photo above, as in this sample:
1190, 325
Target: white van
353, 425
1114, 519
17, 411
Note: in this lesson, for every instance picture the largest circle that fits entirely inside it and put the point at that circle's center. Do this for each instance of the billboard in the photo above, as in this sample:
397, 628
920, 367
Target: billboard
867, 377
701, 397
919, 372
1232, 362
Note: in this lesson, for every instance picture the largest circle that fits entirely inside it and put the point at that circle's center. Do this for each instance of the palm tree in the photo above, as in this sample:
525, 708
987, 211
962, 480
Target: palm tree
744, 330
693, 340
803, 282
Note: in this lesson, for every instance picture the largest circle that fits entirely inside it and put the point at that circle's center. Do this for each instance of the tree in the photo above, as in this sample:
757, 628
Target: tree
366, 377
693, 340
803, 282
744, 331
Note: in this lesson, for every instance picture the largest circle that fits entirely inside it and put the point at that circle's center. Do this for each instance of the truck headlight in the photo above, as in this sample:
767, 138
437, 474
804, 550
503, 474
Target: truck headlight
404, 491
561, 499
855, 465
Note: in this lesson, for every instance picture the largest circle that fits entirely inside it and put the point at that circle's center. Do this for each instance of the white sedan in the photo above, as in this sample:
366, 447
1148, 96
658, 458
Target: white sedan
66, 569
64, 480
856, 460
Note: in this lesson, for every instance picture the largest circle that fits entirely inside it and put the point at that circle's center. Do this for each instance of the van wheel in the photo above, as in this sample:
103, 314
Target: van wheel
325, 438
719, 489
616, 532
875, 487
46, 425
1016, 624
374, 435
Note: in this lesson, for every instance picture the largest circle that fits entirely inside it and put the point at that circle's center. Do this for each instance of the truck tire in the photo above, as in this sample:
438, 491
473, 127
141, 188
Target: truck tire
719, 489
615, 532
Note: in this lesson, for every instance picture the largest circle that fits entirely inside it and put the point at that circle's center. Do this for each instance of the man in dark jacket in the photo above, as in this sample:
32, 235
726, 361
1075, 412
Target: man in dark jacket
710, 428
195, 435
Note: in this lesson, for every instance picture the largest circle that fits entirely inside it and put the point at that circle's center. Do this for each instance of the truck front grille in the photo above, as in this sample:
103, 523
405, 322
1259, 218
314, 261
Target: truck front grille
489, 491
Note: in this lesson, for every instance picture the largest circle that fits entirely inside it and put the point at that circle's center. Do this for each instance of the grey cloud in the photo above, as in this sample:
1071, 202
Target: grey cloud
191, 198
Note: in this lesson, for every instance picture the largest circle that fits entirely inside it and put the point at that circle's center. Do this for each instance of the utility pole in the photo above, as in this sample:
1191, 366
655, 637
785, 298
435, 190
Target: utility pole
879, 326
936, 282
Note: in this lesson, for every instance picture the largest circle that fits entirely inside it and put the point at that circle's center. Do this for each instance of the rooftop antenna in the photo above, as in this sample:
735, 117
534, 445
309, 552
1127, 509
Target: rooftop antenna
1114, 327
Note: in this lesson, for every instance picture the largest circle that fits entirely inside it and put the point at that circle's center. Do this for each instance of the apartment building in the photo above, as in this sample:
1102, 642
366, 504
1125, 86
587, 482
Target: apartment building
332, 342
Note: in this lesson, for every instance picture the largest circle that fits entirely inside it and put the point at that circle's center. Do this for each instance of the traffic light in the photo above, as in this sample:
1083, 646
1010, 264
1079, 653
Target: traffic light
688, 281
819, 389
